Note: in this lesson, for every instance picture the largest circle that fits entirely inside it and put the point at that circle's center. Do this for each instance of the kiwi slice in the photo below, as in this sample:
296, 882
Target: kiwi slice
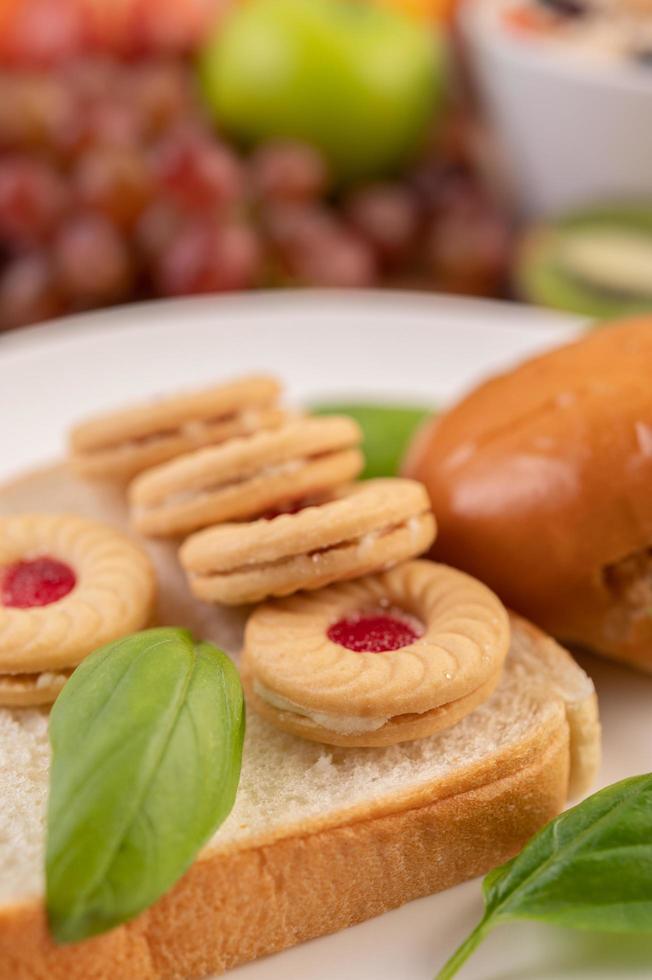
596, 262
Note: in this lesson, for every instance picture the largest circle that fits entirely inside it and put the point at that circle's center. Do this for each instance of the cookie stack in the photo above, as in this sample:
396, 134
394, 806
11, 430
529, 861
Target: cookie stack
276, 512
265, 500
355, 643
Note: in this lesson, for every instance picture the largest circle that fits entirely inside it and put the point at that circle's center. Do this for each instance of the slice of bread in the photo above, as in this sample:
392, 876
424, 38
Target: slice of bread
319, 838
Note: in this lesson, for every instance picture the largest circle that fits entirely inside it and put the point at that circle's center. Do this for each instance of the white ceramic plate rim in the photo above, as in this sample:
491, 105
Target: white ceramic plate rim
317, 302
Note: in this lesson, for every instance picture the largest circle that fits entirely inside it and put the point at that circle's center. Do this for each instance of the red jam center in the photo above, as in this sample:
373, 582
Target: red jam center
373, 633
37, 582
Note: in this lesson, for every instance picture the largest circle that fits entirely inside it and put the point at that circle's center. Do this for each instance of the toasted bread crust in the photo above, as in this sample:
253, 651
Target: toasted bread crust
348, 873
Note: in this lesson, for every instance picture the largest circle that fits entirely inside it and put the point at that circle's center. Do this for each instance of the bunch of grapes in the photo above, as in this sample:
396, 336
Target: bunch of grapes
47, 33
114, 186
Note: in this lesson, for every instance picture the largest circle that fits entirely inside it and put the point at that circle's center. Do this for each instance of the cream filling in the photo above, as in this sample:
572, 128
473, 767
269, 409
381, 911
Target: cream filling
37, 680
342, 724
50, 677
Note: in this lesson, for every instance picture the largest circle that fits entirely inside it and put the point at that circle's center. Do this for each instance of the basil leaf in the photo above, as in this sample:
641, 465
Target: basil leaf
590, 868
146, 750
387, 431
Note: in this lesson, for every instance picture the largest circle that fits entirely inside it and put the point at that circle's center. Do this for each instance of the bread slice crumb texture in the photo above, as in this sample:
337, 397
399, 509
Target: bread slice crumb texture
290, 786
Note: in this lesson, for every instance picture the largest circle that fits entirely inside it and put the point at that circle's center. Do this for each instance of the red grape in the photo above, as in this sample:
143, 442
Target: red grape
34, 111
106, 123
28, 292
292, 227
93, 79
32, 200
455, 140
161, 92
92, 261
458, 191
338, 259
288, 172
468, 251
44, 32
207, 258
112, 27
426, 182
171, 25
316, 249
158, 226
115, 182
385, 215
199, 171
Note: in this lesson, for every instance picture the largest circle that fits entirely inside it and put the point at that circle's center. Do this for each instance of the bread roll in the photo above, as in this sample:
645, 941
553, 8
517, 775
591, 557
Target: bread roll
541, 480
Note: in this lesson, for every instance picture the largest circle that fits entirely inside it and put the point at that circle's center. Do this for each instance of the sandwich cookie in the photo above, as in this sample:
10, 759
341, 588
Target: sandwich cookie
389, 658
118, 445
67, 586
302, 461
370, 526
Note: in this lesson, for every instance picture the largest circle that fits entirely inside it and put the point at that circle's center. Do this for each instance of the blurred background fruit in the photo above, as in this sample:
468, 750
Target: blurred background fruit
597, 261
44, 33
357, 81
119, 179
157, 148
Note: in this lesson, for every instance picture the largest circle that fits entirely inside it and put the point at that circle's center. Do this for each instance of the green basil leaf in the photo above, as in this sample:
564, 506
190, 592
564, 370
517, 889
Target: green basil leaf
590, 868
387, 431
146, 750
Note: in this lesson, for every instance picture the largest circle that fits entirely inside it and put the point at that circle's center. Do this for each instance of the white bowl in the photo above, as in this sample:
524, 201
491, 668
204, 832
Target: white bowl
573, 132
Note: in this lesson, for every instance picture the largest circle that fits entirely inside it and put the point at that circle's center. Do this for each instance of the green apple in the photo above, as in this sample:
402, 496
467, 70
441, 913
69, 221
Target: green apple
358, 81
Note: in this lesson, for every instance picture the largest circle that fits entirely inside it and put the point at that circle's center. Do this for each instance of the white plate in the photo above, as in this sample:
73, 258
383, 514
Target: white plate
408, 346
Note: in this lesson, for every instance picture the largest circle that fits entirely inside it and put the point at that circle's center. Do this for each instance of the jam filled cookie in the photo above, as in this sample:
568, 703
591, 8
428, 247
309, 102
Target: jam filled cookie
247, 478
386, 659
67, 586
118, 445
368, 527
